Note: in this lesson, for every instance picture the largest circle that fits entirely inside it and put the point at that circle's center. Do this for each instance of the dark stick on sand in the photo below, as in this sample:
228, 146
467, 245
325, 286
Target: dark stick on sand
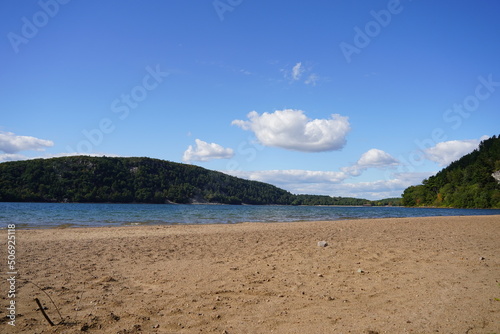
43, 312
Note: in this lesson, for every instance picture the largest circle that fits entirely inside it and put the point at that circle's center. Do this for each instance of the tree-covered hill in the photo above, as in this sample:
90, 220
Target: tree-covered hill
327, 200
465, 183
138, 180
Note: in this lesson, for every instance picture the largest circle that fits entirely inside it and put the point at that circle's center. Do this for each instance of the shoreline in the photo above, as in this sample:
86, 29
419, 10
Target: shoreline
67, 226
388, 275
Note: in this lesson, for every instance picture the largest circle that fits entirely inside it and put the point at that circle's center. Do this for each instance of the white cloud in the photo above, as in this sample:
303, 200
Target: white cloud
353, 170
392, 186
333, 183
290, 176
297, 71
245, 72
373, 190
376, 158
312, 79
373, 158
301, 72
11, 143
206, 151
293, 130
336, 183
12, 157
446, 152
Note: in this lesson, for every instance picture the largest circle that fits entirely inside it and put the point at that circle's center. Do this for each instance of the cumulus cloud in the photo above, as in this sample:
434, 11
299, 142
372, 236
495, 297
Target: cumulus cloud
376, 158
446, 152
293, 130
11, 143
373, 158
204, 151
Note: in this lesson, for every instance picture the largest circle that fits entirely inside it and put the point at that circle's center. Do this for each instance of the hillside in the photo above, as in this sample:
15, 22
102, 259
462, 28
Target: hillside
466, 183
138, 180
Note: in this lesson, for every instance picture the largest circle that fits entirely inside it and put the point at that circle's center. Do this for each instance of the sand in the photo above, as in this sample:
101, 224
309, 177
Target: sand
404, 275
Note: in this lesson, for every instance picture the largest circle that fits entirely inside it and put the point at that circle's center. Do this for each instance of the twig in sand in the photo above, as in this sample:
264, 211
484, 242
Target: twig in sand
43, 311
36, 299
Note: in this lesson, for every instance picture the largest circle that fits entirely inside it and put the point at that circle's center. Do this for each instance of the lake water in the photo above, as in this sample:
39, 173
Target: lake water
49, 215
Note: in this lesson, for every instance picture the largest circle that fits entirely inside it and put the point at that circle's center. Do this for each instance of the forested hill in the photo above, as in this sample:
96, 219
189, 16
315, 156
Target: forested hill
466, 183
138, 180
127, 180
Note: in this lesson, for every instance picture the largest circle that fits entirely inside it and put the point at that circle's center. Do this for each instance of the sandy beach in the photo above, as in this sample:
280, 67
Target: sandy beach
400, 275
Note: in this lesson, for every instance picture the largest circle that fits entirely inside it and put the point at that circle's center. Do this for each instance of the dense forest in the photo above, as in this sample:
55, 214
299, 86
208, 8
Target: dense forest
393, 201
465, 183
327, 200
139, 180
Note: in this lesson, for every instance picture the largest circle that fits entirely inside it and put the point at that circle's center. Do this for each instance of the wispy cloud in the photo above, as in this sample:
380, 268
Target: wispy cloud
293, 130
204, 151
297, 71
301, 73
312, 79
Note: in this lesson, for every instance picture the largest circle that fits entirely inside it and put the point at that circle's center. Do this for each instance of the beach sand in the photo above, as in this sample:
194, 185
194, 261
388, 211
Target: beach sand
404, 275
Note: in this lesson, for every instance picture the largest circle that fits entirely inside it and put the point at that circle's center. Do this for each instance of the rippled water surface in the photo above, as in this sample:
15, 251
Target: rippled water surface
46, 215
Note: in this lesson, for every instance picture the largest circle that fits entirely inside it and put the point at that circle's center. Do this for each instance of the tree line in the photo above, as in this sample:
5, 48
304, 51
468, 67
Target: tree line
85, 179
465, 183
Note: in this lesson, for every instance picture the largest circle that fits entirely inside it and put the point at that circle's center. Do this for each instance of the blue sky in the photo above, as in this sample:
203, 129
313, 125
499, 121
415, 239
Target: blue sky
343, 98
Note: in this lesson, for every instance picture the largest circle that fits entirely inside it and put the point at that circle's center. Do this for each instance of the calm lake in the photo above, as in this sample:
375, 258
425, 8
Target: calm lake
49, 215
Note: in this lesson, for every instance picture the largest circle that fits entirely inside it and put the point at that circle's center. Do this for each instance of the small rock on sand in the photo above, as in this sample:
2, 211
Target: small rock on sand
322, 243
